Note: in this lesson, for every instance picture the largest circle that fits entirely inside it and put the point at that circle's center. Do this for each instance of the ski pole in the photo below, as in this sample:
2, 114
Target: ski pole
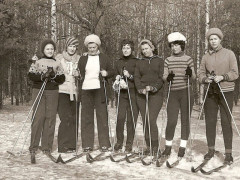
144, 125
200, 114
133, 119
228, 108
163, 121
34, 115
149, 128
15, 143
106, 101
77, 114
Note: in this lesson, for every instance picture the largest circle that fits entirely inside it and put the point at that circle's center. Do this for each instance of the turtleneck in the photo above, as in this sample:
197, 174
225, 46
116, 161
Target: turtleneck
127, 57
179, 54
45, 57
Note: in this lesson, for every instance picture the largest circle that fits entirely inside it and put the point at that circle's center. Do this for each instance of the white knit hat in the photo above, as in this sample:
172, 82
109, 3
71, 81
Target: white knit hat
92, 38
176, 36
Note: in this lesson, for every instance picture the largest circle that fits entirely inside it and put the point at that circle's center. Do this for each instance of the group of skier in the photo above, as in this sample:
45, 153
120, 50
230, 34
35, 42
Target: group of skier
139, 85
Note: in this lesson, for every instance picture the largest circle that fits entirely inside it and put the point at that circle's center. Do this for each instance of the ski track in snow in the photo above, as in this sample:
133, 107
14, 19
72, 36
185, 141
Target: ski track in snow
12, 119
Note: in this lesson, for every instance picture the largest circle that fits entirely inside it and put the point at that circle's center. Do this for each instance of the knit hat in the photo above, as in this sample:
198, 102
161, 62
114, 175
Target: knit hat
92, 38
148, 42
214, 31
176, 36
46, 42
72, 41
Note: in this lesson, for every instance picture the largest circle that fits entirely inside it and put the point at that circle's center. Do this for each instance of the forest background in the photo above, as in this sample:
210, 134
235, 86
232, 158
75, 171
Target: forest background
25, 23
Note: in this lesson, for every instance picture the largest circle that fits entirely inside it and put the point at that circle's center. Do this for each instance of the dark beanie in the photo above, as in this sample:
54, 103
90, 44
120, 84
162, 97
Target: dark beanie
214, 31
46, 42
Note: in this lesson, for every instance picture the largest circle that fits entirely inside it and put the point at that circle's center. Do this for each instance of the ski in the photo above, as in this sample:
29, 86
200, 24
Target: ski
53, 159
73, 158
112, 156
194, 170
214, 170
90, 159
162, 161
127, 158
145, 163
173, 164
10, 153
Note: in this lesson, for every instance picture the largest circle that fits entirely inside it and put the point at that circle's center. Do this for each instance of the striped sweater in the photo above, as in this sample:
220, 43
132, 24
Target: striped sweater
178, 64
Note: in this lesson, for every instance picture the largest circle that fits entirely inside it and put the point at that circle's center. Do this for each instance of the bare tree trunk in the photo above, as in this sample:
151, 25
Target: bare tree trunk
53, 21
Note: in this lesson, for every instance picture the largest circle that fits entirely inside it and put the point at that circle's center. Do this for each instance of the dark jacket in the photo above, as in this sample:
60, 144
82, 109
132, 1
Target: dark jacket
128, 64
105, 64
149, 72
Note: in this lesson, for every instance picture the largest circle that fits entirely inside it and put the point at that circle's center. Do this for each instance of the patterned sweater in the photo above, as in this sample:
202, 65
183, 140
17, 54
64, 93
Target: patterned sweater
178, 64
38, 68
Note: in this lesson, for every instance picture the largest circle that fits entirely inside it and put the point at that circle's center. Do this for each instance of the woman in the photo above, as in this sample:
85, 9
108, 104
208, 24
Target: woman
43, 124
148, 80
127, 102
67, 101
94, 68
178, 71
218, 69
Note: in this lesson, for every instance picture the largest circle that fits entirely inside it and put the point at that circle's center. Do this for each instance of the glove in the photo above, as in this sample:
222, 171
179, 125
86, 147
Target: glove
151, 88
123, 84
142, 91
188, 72
104, 73
49, 74
170, 77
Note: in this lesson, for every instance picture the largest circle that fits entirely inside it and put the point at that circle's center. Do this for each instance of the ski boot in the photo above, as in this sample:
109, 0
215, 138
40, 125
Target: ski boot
228, 159
167, 151
105, 149
210, 154
128, 148
87, 149
181, 152
118, 146
146, 151
33, 159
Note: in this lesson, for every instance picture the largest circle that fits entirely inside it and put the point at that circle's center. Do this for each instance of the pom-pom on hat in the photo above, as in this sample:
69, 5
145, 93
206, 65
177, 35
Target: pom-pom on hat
92, 38
176, 36
72, 41
46, 42
214, 31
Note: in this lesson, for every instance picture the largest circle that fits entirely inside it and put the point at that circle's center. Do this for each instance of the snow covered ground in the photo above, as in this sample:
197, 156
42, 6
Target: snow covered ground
12, 119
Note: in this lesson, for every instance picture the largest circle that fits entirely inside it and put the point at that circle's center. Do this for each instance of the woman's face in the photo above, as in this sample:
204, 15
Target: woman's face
48, 50
71, 49
126, 50
214, 41
147, 50
92, 48
176, 48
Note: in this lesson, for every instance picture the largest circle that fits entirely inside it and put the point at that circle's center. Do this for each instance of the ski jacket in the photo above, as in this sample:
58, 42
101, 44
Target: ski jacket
128, 64
223, 62
40, 67
149, 72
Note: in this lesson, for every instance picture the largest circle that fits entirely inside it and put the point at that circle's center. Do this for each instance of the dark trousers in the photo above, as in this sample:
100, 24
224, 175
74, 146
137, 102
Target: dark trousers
124, 110
212, 104
68, 114
43, 125
154, 104
93, 99
178, 100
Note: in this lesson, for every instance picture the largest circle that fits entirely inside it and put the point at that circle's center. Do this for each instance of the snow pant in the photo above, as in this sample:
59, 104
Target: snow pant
155, 102
43, 125
94, 99
212, 104
178, 100
68, 114
124, 110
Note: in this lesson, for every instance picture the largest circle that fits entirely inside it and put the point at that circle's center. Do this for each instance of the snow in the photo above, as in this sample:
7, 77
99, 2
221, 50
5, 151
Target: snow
19, 167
